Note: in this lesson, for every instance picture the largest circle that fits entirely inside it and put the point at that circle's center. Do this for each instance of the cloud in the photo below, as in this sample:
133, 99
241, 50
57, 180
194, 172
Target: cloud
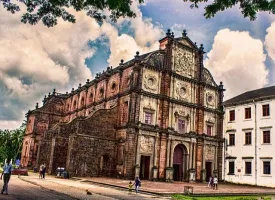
270, 41
237, 59
124, 46
36, 59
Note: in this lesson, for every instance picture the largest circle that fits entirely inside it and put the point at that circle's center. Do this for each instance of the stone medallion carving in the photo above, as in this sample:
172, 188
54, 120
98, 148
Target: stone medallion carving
182, 91
210, 99
146, 144
113, 87
184, 62
151, 82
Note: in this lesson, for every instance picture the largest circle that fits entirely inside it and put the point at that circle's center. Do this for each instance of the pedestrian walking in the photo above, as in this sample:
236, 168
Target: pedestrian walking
44, 170
6, 174
215, 183
209, 182
137, 184
41, 171
130, 187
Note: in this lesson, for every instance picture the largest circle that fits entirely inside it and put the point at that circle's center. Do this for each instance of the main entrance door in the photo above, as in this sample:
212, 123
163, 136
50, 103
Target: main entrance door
208, 168
144, 167
178, 163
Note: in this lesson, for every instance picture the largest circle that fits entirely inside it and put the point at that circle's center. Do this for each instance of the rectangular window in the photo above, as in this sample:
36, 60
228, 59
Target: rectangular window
181, 125
267, 169
231, 167
265, 110
247, 113
266, 137
231, 139
148, 118
248, 168
209, 130
232, 115
248, 138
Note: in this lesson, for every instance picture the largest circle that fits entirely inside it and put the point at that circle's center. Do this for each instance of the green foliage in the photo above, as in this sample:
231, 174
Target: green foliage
249, 8
11, 143
183, 197
50, 10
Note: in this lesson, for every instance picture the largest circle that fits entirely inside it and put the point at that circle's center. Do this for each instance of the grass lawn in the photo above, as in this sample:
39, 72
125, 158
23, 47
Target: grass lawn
183, 197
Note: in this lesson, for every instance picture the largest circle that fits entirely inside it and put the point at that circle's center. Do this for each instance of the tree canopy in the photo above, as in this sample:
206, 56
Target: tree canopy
11, 143
48, 11
249, 8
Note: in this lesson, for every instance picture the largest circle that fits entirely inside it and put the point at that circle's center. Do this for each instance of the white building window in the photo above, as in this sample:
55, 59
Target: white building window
248, 167
231, 167
265, 110
266, 167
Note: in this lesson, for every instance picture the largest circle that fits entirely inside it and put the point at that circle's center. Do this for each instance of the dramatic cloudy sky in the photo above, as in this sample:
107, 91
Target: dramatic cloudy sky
36, 59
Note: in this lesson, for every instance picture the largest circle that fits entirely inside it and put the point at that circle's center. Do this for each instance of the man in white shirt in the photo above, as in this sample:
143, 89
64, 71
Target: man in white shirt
7, 169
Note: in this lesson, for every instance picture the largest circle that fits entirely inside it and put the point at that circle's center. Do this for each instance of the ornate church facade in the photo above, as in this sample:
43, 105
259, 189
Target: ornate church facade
158, 116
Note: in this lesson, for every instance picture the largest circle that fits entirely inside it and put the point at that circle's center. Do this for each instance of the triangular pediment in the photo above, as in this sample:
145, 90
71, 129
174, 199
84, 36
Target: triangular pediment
187, 42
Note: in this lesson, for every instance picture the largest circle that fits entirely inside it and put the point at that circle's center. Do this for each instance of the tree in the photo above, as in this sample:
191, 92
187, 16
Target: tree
11, 142
50, 10
249, 8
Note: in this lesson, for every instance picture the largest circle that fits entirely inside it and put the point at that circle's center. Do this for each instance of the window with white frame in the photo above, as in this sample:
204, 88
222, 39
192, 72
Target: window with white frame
231, 167
248, 138
248, 167
266, 136
232, 115
266, 167
265, 110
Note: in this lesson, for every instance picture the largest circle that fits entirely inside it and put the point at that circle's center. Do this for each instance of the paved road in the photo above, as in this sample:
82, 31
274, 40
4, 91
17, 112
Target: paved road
33, 188
21, 190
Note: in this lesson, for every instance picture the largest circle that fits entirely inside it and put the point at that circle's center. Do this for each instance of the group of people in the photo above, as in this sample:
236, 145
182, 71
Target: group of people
42, 171
213, 182
137, 184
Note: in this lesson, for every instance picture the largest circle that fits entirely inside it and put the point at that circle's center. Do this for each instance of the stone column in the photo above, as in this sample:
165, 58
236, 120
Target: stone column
168, 152
155, 168
156, 150
51, 156
137, 167
168, 171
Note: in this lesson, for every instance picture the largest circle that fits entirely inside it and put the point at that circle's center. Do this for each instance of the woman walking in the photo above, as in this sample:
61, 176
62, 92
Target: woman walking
137, 184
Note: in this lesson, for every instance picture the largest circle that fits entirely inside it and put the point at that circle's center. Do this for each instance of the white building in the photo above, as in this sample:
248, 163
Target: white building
250, 138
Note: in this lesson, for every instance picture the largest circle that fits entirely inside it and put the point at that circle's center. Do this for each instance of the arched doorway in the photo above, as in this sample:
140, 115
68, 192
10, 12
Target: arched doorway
179, 162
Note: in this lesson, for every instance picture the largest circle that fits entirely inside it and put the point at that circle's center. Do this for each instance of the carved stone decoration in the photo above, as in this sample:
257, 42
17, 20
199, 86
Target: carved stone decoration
209, 153
146, 145
208, 77
184, 62
182, 91
113, 87
210, 99
151, 82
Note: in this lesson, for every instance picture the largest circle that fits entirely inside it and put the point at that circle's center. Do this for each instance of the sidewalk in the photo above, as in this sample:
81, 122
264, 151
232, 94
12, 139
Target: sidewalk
77, 187
148, 187
163, 188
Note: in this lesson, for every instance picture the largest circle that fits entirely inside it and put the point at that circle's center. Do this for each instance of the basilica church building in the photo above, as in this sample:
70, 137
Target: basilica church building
158, 116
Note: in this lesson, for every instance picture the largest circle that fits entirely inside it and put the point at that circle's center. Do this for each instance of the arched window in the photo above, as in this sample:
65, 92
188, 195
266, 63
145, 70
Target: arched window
74, 105
91, 97
82, 102
101, 92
